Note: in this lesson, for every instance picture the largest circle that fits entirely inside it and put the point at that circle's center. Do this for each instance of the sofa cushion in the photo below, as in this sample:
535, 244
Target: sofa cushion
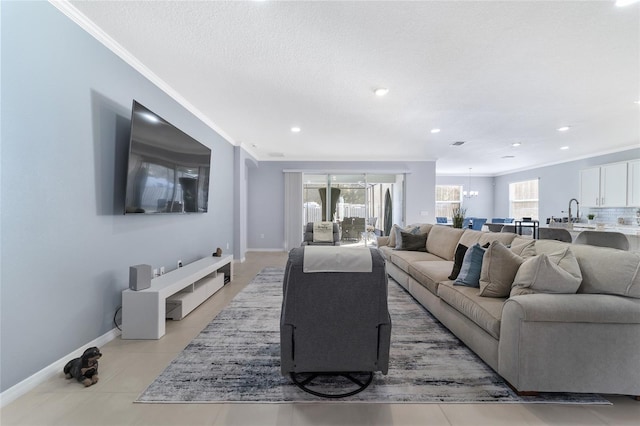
413, 242
471, 266
505, 238
424, 227
524, 247
430, 273
470, 237
402, 259
484, 311
553, 273
461, 250
499, 268
442, 241
608, 271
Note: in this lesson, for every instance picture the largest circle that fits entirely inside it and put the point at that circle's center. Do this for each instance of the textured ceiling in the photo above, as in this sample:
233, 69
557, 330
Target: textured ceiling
485, 72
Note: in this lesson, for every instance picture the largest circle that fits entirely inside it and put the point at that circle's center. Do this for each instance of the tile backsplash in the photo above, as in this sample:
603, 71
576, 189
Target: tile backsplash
611, 215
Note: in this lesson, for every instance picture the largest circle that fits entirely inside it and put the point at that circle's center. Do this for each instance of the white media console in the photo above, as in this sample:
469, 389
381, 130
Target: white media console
172, 295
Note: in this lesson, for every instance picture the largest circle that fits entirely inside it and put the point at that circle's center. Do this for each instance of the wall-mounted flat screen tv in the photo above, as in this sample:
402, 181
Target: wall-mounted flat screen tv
168, 170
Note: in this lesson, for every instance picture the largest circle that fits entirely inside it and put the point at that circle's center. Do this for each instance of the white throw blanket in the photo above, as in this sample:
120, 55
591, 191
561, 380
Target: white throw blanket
336, 259
322, 232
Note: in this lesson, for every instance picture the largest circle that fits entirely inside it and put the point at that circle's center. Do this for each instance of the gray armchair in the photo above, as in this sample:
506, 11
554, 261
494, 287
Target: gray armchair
334, 322
308, 236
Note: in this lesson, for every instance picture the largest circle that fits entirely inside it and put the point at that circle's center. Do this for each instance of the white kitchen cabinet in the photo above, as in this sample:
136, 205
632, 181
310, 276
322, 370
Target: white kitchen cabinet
613, 185
604, 186
590, 187
633, 184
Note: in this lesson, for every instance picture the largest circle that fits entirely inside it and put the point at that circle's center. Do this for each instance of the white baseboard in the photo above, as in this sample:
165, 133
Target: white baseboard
52, 370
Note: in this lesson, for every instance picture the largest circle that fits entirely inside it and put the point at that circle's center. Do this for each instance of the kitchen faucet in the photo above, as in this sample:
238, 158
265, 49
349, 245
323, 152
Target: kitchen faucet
577, 210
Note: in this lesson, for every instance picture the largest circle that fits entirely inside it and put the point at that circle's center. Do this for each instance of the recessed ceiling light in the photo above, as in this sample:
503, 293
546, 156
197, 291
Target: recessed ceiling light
435, 130
637, 102
622, 3
564, 148
296, 129
381, 91
516, 144
563, 128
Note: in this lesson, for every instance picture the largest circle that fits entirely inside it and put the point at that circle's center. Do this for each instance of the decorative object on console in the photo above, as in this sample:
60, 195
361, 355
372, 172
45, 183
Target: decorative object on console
85, 368
218, 252
139, 277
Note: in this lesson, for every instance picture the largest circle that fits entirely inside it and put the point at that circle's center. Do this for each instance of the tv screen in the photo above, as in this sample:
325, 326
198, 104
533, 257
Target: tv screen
168, 171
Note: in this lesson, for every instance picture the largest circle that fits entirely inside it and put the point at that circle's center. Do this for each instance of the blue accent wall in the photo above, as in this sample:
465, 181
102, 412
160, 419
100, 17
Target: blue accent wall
66, 246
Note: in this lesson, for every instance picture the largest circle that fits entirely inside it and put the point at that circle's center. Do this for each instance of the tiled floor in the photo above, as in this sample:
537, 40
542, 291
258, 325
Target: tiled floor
127, 367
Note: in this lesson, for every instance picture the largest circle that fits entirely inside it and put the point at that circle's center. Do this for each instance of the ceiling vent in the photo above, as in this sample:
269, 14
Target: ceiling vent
458, 143
276, 154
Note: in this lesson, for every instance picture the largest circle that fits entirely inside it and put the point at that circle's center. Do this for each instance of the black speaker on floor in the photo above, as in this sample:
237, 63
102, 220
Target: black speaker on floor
139, 277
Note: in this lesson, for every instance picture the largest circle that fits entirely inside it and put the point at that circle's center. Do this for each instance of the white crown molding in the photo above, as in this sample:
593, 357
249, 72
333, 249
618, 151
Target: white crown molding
96, 32
52, 370
581, 157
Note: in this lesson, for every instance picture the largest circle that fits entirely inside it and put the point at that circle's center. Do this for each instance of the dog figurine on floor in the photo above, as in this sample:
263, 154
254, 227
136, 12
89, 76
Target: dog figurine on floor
85, 368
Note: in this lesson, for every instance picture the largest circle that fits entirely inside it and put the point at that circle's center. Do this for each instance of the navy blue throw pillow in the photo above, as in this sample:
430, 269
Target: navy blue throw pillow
461, 249
471, 266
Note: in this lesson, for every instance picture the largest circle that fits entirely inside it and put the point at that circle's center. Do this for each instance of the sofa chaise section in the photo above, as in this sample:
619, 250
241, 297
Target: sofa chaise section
583, 342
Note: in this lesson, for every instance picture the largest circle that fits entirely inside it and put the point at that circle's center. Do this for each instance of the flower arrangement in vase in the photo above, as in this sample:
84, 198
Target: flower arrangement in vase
457, 216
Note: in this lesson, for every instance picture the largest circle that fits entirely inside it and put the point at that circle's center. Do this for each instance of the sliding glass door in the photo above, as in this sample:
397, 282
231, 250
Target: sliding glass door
358, 202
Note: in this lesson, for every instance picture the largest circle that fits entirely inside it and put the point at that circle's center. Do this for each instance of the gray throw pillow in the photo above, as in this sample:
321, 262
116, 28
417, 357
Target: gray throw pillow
399, 231
413, 242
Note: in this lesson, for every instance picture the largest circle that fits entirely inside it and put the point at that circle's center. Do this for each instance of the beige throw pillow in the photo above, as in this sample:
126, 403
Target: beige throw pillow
557, 272
524, 248
499, 268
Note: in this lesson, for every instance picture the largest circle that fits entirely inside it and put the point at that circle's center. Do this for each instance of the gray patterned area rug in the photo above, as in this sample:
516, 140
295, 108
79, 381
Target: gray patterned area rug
236, 358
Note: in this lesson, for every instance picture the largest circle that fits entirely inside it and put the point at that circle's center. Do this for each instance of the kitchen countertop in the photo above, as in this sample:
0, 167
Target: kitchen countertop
608, 227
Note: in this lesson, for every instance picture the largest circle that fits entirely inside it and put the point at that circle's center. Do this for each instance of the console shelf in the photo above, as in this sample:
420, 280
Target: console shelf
172, 295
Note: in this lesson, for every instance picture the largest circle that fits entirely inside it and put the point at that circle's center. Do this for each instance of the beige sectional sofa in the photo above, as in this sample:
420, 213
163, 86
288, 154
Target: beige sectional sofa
588, 341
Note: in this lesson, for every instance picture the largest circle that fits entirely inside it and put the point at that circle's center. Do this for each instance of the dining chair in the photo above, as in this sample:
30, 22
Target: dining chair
603, 239
558, 234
